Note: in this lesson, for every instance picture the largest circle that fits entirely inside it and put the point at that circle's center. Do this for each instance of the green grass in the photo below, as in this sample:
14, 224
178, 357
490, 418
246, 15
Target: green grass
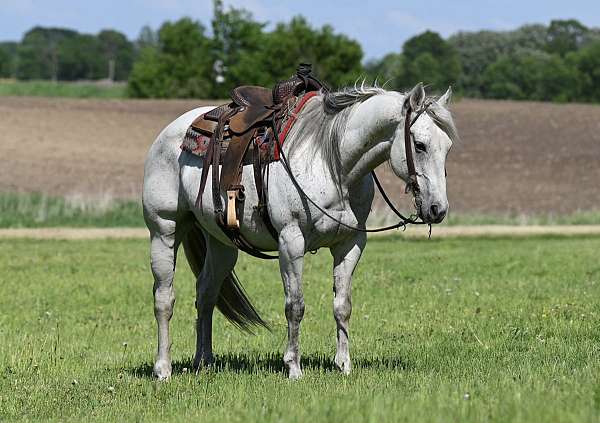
37, 210
61, 89
587, 217
510, 324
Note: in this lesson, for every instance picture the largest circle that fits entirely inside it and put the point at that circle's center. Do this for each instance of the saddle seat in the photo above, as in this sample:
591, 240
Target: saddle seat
250, 105
252, 96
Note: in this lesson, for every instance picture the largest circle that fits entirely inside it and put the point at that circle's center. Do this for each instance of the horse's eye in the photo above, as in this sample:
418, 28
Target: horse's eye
419, 146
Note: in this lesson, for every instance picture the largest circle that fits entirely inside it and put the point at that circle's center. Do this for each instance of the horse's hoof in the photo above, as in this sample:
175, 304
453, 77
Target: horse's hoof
295, 373
204, 361
162, 369
343, 366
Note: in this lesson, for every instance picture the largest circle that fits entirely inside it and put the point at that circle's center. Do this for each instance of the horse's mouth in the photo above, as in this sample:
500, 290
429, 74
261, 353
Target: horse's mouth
418, 203
433, 215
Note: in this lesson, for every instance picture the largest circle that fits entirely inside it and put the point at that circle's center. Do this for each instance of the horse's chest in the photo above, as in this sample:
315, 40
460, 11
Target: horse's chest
326, 231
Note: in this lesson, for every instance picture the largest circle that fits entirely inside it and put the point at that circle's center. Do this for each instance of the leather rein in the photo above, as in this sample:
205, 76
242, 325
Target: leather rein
413, 183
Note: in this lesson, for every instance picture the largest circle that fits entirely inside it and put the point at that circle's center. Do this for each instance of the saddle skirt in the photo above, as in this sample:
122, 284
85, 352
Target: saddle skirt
197, 143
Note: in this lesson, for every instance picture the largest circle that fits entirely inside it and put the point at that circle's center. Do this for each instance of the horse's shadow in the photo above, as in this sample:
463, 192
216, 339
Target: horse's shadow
271, 363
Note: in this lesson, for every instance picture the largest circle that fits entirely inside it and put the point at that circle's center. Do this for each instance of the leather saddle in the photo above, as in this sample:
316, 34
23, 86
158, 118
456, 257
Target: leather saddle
254, 112
251, 107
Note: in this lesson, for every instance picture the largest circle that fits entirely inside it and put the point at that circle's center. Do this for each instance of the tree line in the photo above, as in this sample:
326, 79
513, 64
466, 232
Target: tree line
66, 55
558, 62
555, 62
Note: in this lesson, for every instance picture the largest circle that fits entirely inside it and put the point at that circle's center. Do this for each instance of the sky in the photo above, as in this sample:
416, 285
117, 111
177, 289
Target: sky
381, 26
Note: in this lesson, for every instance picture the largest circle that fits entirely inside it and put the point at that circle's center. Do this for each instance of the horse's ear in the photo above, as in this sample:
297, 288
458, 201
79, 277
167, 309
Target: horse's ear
444, 100
416, 97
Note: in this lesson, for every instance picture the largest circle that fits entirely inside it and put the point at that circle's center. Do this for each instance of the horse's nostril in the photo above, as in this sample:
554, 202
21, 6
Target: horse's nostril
434, 210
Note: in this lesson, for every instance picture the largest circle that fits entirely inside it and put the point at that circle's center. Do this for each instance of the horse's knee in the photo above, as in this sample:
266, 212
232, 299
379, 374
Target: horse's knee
342, 308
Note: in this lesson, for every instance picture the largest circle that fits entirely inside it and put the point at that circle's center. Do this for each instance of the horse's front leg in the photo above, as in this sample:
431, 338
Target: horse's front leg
345, 258
291, 260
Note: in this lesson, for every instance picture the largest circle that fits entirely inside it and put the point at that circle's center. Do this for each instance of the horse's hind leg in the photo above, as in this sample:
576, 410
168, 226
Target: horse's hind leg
163, 246
220, 261
345, 258
291, 260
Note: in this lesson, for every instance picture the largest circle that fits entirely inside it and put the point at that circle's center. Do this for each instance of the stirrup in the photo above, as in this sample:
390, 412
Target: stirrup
232, 220
234, 195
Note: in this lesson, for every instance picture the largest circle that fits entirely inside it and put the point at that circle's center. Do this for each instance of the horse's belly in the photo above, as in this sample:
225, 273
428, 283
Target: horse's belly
286, 206
252, 226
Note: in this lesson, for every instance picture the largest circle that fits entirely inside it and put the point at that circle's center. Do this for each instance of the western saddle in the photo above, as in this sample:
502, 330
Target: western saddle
242, 132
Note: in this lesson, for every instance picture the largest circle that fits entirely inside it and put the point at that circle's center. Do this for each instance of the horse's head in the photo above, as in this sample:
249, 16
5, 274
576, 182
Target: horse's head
431, 137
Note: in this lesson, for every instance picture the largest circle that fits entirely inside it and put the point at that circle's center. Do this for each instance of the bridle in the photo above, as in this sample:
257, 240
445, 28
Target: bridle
412, 183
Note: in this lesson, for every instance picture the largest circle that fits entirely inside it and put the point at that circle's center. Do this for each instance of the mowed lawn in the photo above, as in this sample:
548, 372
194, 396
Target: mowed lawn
442, 330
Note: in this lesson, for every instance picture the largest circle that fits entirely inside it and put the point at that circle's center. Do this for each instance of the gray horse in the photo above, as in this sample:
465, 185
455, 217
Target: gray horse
338, 139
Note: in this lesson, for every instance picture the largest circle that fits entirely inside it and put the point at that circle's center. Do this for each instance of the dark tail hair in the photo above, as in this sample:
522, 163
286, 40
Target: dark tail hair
233, 302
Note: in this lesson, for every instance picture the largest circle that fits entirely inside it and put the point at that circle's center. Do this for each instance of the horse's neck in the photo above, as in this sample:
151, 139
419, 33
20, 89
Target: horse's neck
368, 136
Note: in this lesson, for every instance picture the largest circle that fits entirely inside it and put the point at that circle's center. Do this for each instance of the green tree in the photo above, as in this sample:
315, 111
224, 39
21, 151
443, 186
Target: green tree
180, 66
336, 59
587, 63
565, 36
237, 43
38, 56
531, 76
8, 53
386, 71
429, 58
5, 64
527, 37
117, 53
147, 38
79, 57
477, 50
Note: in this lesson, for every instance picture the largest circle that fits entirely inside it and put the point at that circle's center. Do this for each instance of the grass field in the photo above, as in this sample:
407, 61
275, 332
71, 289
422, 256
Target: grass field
38, 211
442, 330
9, 87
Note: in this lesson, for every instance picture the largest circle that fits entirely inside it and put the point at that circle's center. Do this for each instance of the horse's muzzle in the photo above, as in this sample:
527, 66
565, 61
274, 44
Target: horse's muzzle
434, 214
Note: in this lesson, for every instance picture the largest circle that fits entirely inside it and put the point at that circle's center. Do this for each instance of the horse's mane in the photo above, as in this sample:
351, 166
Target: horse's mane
324, 119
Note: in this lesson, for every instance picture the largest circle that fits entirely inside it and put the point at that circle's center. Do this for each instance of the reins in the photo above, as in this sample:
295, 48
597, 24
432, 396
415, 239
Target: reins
412, 174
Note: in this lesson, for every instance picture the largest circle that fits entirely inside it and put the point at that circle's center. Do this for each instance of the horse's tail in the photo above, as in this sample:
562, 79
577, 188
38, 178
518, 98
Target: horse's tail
233, 302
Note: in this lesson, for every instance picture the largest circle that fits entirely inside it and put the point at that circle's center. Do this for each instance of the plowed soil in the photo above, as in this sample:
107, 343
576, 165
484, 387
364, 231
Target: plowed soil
514, 157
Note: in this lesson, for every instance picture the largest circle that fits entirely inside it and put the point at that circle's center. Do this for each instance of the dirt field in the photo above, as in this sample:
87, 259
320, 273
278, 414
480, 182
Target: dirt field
515, 157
